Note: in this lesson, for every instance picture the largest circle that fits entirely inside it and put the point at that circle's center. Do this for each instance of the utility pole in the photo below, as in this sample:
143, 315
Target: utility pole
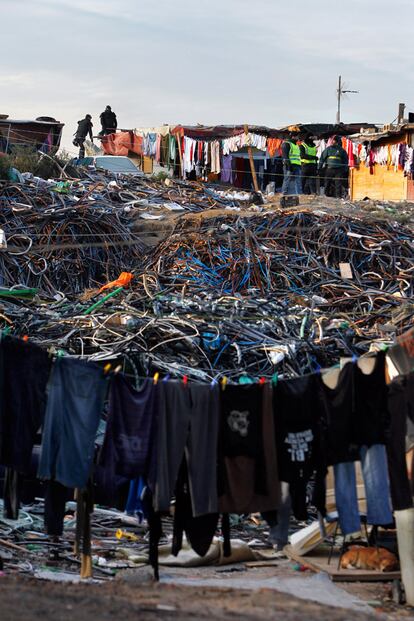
340, 92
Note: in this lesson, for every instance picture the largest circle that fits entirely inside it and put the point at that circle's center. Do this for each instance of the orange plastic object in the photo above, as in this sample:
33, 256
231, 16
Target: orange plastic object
123, 281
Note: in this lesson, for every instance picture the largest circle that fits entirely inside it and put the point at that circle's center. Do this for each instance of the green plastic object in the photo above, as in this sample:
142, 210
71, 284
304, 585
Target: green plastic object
18, 293
63, 187
99, 303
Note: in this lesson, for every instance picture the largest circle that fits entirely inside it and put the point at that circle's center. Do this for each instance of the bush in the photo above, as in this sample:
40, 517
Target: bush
5, 166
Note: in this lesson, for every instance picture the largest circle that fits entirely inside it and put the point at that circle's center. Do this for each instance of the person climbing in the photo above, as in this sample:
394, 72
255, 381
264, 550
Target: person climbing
84, 129
309, 163
108, 121
291, 167
335, 162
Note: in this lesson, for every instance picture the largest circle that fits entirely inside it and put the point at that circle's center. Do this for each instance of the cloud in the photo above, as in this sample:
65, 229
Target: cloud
229, 61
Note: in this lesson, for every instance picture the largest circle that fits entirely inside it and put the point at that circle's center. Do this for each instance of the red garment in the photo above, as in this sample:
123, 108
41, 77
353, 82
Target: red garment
274, 146
349, 148
121, 143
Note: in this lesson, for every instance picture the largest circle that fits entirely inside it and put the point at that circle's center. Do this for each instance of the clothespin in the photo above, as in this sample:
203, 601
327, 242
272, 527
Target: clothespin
107, 368
213, 382
156, 378
6, 331
185, 380
275, 378
223, 383
354, 358
262, 381
25, 338
166, 378
118, 368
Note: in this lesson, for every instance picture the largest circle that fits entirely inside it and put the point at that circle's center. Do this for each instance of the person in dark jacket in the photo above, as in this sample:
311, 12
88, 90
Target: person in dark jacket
84, 129
309, 162
108, 121
334, 161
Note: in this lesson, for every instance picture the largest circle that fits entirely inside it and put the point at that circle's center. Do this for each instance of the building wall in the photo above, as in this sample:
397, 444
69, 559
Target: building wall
384, 184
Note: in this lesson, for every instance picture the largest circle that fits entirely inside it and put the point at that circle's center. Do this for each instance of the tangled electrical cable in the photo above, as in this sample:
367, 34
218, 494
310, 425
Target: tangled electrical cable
277, 291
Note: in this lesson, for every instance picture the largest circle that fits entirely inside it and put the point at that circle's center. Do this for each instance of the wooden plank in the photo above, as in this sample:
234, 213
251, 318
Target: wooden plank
178, 138
384, 184
318, 561
252, 168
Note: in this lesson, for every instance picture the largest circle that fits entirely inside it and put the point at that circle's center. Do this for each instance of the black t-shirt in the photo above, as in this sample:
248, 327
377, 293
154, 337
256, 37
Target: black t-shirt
241, 429
338, 418
371, 418
297, 410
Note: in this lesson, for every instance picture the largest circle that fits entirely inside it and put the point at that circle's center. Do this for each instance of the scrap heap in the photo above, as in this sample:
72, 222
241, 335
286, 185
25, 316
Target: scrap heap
242, 290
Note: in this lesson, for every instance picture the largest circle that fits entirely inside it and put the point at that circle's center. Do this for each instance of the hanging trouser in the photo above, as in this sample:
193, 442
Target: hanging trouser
377, 490
279, 520
83, 544
187, 425
11, 494
56, 496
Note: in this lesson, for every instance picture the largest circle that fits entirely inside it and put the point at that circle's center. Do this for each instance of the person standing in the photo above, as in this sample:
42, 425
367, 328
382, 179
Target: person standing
291, 167
309, 163
108, 121
84, 129
335, 162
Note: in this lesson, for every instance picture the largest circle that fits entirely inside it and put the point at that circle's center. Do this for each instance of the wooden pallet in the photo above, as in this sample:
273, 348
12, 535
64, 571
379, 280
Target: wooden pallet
318, 561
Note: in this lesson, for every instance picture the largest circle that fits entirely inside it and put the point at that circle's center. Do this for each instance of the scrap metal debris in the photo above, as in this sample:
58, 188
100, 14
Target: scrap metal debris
229, 295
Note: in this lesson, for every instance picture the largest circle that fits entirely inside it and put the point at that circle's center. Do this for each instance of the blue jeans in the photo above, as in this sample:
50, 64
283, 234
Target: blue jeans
377, 490
75, 401
291, 180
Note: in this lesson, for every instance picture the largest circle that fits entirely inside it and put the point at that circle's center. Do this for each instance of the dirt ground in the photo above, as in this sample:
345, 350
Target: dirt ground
22, 598
134, 595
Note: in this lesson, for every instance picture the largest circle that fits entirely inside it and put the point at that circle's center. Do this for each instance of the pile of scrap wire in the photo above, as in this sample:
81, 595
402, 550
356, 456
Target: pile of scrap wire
66, 236
63, 246
288, 292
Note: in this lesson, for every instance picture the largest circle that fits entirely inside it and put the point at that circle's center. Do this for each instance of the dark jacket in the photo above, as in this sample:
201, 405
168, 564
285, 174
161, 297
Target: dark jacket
84, 128
334, 157
108, 120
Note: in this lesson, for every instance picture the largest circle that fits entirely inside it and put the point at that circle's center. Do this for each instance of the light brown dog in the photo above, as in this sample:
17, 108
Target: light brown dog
361, 557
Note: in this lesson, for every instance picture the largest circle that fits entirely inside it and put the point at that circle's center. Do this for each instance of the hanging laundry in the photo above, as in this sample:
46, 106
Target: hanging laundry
215, 156
297, 412
76, 393
274, 146
375, 475
400, 406
248, 474
24, 373
187, 425
129, 436
226, 169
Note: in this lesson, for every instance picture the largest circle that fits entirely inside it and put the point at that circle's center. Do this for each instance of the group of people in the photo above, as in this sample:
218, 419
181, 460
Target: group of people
302, 171
109, 125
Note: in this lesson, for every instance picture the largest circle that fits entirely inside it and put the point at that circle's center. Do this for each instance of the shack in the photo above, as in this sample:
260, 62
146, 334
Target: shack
43, 134
384, 166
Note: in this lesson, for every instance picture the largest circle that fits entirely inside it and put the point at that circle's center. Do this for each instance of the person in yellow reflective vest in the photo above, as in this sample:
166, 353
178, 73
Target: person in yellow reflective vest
291, 167
309, 161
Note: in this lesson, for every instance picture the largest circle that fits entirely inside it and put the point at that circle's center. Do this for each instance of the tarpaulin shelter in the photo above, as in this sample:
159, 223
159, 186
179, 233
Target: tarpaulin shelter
43, 133
122, 143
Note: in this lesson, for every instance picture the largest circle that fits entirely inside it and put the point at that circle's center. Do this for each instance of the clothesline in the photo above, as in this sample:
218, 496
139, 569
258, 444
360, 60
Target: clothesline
228, 448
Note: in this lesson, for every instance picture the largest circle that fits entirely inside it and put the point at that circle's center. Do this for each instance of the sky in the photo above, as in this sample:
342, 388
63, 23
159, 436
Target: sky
266, 62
